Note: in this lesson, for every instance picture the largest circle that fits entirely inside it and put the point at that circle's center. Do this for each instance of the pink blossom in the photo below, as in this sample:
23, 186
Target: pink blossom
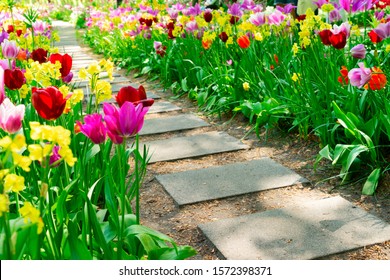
257, 19
2, 90
11, 116
276, 18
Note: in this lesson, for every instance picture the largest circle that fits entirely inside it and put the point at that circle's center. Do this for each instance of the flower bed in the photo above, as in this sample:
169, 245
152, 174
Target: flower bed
69, 174
323, 76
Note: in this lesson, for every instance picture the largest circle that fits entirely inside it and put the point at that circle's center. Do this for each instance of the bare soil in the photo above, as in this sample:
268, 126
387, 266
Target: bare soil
159, 211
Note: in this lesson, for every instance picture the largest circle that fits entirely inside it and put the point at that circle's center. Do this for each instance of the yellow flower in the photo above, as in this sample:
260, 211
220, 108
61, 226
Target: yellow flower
75, 98
295, 77
306, 42
3, 172
22, 161
94, 68
388, 48
14, 183
295, 49
103, 91
31, 214
4, 203
5, 142
23, 91
246, 86
327, 8
258, 36
67, 155
83, 74
64, 90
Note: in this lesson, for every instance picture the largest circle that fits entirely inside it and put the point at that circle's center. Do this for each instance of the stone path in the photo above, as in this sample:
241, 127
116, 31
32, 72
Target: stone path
309, 230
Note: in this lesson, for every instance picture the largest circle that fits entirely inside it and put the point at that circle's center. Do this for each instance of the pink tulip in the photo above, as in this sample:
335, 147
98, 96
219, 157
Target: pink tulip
9, 49
2, 90
276, 18
125, 121
11, 116
257, 19
383, 30
359, 76
94, 128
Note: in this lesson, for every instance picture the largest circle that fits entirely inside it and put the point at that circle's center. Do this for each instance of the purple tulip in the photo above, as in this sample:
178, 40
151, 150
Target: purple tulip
235, 10
383, 30
359, 76
334, 16
3, 35
94, 128
11, 116
359, 51
125, 121
9, 48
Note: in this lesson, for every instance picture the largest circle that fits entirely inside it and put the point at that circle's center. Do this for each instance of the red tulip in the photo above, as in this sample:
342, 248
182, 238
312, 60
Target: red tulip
134, 96
39, 55
207, 15
14, 79
66, 63
243, 42
338, 40
49, 102
374, 37
223, 36
325, 36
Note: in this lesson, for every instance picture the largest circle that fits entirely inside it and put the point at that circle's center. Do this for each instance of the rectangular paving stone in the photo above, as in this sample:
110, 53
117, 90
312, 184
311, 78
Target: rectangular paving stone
173, 123
162, 107
308, 231
192, 146
228, 180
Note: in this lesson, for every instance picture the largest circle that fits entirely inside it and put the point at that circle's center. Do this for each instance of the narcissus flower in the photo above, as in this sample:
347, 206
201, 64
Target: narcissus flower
13, 183
125, 121
4, 204
14, 79
11, 116
31, 214
94, 128
134, 96
243, 41
359, 76
48, 102
246, 86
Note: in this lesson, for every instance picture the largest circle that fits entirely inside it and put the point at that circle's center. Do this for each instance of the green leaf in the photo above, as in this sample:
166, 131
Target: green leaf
78, 249
372, 182
385, 120
92, 152
355, 152
147, 242
182, 252
184, 86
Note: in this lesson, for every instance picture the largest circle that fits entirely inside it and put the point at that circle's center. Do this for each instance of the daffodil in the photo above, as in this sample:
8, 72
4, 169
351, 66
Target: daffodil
31, 214
13, 183
4, 203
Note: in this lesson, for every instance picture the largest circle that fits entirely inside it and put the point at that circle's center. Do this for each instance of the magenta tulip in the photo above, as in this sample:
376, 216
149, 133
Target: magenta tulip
359, 76
125, 121
94, 128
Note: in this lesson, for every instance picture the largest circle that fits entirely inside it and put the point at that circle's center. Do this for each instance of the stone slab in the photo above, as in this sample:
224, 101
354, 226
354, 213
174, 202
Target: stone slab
309, 231
228, 180
173, 123
162, 107
192, 146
